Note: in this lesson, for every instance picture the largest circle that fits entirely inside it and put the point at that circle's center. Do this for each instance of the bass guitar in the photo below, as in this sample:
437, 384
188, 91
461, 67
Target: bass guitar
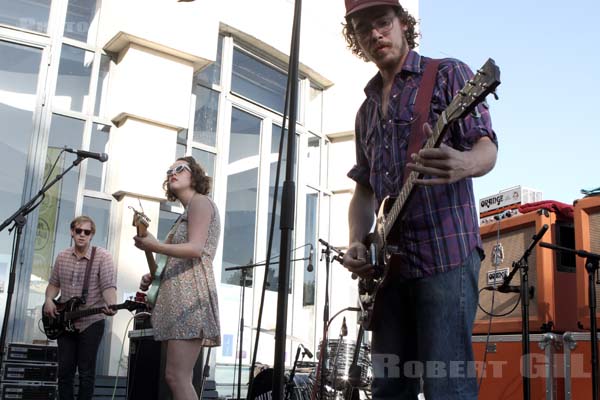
391, 210
141, 223
69, 311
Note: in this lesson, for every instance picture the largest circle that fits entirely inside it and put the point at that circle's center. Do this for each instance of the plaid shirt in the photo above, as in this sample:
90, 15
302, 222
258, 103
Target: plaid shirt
68, 274
440, 228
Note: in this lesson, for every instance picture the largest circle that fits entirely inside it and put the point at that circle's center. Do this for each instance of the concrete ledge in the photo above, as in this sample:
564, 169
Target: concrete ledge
124, 116
122, 40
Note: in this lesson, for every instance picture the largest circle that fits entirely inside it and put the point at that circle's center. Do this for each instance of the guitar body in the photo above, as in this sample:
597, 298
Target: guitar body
54, 327
379, 242
68, 312
378, 253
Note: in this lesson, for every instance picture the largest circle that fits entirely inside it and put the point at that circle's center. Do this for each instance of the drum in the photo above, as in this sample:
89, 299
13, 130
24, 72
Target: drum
339, 360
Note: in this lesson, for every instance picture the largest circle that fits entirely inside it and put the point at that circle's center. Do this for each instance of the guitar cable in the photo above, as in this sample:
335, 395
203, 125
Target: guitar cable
139, 314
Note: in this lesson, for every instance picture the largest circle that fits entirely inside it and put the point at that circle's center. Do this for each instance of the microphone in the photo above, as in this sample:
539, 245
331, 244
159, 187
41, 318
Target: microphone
307, 351
504, 289
310, 267
344, 330
541, 233
102, 157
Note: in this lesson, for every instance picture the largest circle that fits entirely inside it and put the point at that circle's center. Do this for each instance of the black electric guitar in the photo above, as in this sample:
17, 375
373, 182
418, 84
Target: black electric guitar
69, 311
391, 210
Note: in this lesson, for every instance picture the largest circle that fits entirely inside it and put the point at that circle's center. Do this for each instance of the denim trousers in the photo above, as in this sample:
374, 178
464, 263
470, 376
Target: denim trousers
422, 339
77, 351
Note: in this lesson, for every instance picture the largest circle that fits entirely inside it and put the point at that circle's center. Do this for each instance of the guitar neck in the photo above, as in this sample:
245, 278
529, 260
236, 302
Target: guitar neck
407, 189
142, 231
91, 311
151, 263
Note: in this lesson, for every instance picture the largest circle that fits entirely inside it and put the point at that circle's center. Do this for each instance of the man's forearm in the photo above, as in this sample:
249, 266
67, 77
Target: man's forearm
361, 214
51, 292
483, 154
110, 296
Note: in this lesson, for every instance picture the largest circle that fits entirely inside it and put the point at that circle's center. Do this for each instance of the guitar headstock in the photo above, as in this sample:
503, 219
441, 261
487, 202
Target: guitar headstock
485, 81
140, 221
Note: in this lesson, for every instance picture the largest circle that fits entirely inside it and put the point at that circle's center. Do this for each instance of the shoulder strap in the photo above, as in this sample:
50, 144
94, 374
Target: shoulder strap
86, 280
421, 114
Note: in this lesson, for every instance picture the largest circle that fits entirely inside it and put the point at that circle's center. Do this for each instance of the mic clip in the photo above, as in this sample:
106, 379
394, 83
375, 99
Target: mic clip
511, 289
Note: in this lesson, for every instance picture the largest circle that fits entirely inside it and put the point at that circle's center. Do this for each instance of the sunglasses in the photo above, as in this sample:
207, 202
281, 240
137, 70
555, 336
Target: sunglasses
178, 169
86, 232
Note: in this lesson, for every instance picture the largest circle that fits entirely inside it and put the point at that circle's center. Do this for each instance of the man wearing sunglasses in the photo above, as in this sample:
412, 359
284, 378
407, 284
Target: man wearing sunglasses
77, 350
426, 312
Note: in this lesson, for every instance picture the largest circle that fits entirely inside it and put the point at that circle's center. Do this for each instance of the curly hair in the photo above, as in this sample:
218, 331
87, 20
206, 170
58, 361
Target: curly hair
405, 18
200, 181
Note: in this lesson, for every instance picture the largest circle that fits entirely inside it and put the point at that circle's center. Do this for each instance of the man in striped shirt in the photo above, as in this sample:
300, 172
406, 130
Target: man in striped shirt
427, 311
78, 350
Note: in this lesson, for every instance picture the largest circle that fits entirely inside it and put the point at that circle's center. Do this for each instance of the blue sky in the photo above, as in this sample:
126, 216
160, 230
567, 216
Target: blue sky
546, 117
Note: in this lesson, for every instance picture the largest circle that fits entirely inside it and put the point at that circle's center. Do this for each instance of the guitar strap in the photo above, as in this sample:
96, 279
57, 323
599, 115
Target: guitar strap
421, 113
86, 280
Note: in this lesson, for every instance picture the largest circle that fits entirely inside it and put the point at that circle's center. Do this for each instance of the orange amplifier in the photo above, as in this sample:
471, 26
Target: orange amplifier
551, 274
587, 237
502, 370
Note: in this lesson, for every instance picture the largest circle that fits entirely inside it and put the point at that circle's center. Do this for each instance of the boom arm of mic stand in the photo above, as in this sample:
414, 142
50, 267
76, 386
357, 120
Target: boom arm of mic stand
29, 206
517, 264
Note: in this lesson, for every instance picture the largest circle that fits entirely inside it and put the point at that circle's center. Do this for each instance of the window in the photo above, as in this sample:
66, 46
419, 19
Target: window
26, 14
74, 75
242, 185
255, 80
81, 20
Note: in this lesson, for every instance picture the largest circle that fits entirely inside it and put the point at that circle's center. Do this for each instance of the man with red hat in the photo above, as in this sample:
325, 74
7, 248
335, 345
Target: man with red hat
425, 313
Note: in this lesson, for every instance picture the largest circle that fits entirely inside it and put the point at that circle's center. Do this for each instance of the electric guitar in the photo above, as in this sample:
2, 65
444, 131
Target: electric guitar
391, 210
68, 312
141, 223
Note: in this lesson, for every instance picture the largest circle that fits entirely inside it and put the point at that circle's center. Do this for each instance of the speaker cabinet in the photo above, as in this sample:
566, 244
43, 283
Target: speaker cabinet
587, 237
552, 275
147, 362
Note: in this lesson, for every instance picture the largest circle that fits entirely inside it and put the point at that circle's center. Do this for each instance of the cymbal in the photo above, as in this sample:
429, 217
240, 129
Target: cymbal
272, 333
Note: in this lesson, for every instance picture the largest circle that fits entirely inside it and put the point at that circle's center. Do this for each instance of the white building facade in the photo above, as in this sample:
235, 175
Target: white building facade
146, 81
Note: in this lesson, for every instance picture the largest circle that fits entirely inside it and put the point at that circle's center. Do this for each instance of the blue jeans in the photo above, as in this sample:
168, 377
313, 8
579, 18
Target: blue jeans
77, 351
424, 332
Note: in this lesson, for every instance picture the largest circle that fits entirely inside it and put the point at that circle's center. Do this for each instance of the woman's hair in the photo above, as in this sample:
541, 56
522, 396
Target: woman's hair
405, 18
81, 220
200, 181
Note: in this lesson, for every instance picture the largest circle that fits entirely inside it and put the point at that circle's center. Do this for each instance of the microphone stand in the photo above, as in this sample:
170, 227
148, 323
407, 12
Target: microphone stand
244, 269
291, 383
592, 262
326, 251
523, 266
19, 223
288, 206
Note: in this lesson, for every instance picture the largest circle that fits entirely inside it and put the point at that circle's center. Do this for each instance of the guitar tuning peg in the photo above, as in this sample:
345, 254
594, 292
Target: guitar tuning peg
495, 95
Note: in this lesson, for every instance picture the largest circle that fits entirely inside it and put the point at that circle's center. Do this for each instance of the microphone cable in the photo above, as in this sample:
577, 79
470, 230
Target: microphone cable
140, 314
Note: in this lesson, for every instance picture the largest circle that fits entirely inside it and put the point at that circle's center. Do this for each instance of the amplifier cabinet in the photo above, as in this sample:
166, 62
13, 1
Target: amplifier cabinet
29, 372
21, 352
552, 276
587, 237
27, 391
502, 366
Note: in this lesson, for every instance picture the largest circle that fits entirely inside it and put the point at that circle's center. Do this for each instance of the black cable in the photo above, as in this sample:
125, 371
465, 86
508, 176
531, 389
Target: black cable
491, 314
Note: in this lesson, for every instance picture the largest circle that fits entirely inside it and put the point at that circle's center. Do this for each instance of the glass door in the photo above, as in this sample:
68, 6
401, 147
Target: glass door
19, 86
